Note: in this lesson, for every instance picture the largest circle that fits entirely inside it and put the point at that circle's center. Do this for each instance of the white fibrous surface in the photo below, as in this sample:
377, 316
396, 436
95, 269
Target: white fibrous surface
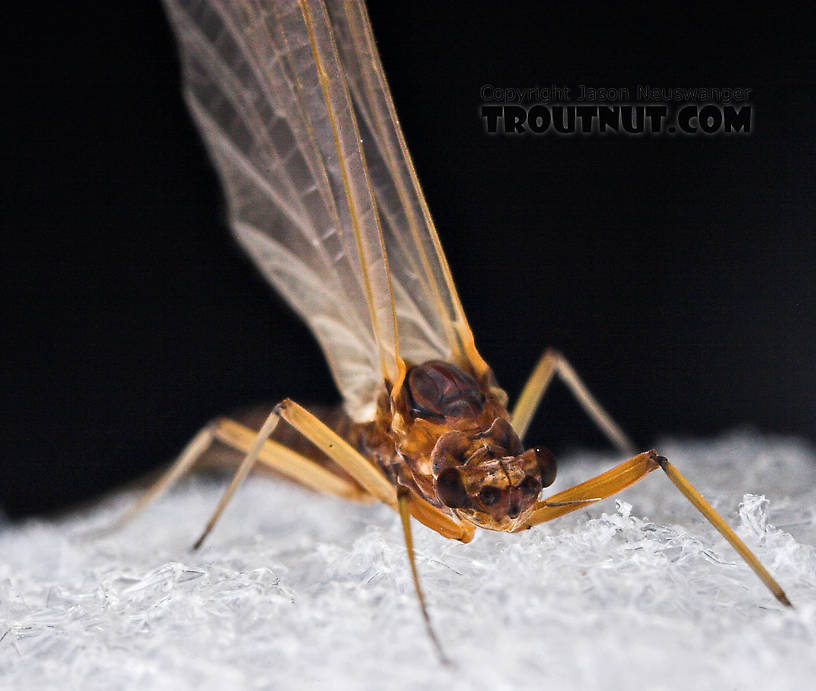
296, 590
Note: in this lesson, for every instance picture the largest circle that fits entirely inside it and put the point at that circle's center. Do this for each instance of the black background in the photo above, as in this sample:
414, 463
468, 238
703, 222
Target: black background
675, 272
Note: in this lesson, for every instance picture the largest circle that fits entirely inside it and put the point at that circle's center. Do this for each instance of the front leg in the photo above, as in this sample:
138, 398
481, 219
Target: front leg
628, 473
550, 364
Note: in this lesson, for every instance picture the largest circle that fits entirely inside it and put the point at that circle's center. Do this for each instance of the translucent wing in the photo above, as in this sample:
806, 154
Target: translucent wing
425, 295
267, 86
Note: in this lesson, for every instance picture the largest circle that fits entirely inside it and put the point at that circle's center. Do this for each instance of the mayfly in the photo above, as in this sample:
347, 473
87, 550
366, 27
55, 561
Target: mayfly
293, 103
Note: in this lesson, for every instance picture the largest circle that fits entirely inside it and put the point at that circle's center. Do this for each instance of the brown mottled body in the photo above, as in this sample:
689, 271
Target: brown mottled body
459, 449
447, 438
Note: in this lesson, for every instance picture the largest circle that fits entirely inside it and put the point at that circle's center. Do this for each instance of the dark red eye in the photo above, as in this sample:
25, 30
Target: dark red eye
546, 465
450, 490
530, 487
489, 496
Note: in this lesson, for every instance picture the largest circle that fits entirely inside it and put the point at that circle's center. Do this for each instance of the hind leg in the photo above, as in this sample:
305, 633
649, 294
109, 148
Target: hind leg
333, 445
272, 455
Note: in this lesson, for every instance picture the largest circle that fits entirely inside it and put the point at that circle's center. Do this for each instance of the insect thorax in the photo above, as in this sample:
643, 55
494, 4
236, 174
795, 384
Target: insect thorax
451, 442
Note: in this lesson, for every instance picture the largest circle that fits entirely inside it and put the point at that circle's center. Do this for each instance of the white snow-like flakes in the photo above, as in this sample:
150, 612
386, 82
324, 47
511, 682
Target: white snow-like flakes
295, 590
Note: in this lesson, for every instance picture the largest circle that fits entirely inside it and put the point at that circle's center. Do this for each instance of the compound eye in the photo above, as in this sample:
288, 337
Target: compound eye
546, 465
450, 490
489, 495
530, 487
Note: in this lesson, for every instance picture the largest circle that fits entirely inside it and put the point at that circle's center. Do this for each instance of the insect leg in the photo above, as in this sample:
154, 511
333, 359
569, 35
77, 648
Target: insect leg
195, 448
258, 442
368, 475
717, 521
280, 458
403, 498
593, 490
273, 455
341, 452
628, 473
534, 389
551, 363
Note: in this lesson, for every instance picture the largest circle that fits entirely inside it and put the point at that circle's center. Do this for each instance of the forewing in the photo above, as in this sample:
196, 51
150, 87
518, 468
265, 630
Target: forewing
294, 107
431, 320
265, 85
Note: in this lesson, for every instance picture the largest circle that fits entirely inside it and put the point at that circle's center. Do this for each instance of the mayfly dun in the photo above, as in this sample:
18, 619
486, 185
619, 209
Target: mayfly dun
292, 101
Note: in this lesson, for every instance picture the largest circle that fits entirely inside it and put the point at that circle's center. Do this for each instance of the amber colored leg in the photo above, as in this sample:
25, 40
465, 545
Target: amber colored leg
347, 457
628, 473
281, 458
367, 475
186, 460
717, 521
403, 498
594, 490
550, 364
272, 455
